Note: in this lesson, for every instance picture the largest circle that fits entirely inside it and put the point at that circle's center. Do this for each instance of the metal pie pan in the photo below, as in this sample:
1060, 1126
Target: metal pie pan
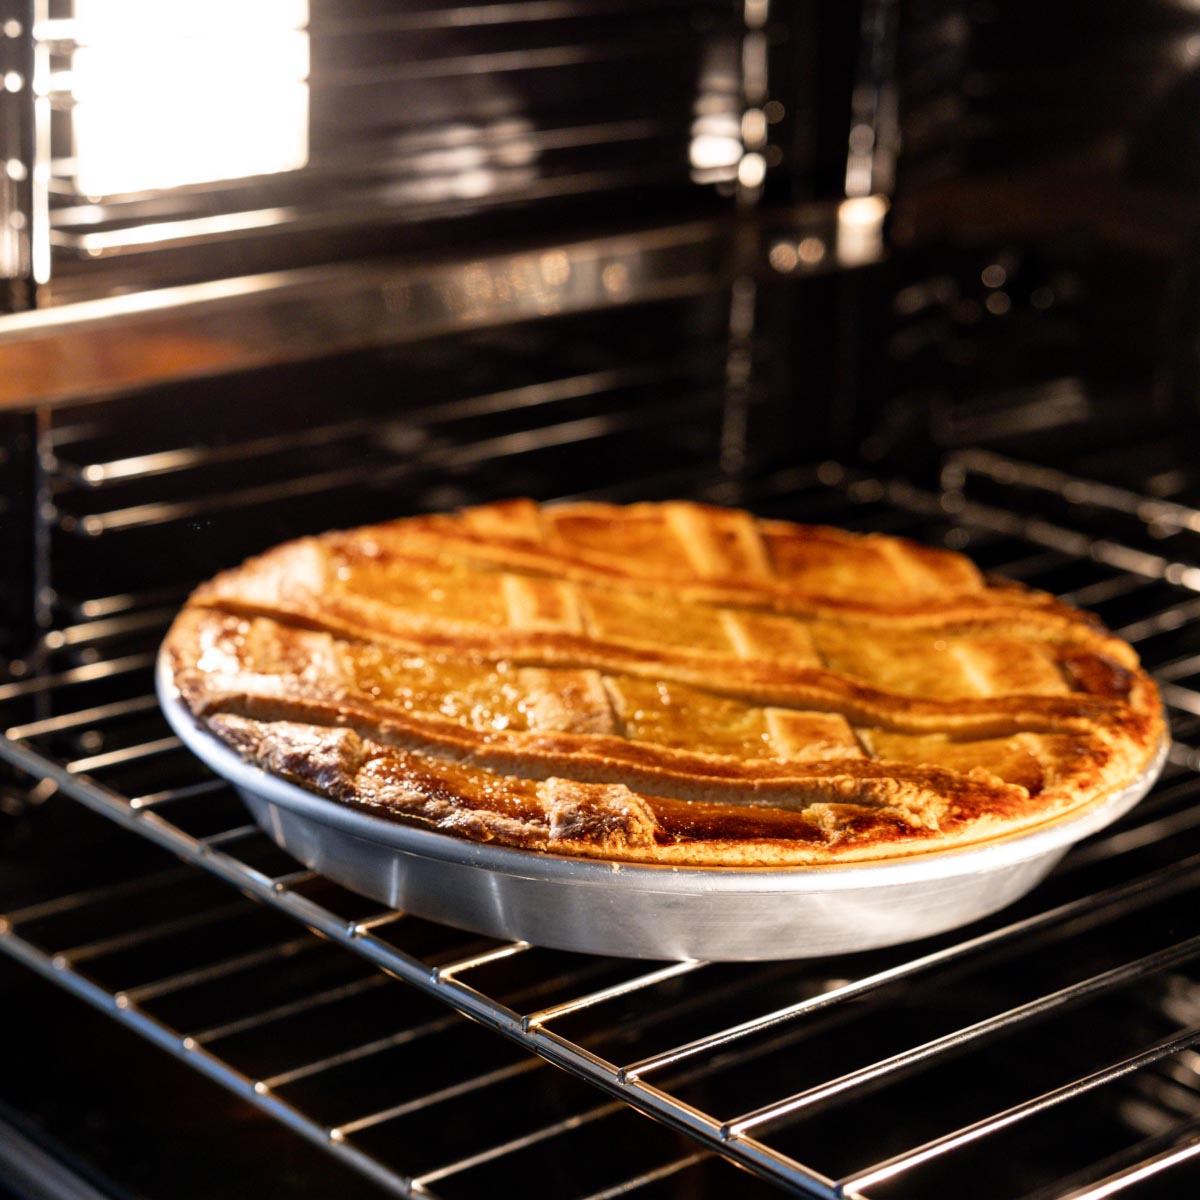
646, 911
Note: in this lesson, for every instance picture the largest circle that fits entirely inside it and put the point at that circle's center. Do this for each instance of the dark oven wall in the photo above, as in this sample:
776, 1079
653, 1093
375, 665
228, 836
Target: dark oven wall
399, 128
1044, 231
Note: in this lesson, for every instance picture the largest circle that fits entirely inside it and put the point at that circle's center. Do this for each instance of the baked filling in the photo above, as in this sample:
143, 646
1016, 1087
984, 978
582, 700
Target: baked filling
663, 683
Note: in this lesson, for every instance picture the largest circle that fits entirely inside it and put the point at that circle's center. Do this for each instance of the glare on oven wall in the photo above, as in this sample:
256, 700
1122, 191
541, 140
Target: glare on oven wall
169, 93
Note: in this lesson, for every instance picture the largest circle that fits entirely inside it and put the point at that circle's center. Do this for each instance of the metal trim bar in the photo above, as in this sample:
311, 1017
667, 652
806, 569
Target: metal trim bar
214, 1033
400, 1038
521, 1067
497, 954
1104, 589
524, 1142
1166, 620
651, 1176
83, 674
67, 353
218, 970
84, 716
206, 787
127, 754
151, 932
1185, 699
109, 891
636, 983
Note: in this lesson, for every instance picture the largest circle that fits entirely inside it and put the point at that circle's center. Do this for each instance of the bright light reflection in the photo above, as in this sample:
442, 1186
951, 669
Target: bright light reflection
170, 94
715, 147
860, 229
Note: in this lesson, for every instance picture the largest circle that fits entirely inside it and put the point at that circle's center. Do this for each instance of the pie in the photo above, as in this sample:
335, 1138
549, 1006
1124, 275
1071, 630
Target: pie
664, 683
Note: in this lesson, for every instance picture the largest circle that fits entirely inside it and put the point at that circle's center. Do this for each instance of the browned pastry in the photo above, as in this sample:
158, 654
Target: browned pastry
664, 683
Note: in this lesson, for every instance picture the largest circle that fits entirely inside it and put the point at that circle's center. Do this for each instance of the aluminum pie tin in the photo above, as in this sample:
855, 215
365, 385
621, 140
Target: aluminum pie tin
641, 910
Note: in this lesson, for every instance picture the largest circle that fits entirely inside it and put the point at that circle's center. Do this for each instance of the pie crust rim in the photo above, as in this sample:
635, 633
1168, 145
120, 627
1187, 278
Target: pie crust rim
1057, 833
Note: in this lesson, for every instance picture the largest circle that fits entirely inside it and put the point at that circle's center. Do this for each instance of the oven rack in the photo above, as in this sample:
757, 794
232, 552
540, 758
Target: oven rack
1160, 513
1151, 590
440, 451
281, 947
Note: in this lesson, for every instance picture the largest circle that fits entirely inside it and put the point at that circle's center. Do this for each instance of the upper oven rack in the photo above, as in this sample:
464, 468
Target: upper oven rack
65, 353
1150, 590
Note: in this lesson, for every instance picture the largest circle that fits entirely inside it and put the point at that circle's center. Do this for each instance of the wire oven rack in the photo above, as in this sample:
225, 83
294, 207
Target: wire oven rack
779, 1068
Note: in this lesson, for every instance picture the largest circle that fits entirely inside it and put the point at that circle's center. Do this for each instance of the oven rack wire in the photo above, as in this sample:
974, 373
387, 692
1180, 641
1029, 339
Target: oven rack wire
437, 456
127, 1006
1033, 549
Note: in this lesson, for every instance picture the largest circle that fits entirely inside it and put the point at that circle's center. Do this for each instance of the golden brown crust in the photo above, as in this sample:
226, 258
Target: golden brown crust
664, 683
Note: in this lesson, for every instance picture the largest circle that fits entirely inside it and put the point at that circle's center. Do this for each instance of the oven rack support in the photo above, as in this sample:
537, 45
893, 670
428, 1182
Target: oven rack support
148, 817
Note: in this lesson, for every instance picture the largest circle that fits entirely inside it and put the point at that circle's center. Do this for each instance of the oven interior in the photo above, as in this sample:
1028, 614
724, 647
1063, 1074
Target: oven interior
927, 269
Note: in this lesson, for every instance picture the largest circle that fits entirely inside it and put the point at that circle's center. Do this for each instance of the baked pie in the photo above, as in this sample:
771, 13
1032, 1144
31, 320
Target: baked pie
664, 683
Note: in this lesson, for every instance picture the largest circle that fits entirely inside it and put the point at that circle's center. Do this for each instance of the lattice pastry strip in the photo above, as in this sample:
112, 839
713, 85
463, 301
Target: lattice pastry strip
559, 700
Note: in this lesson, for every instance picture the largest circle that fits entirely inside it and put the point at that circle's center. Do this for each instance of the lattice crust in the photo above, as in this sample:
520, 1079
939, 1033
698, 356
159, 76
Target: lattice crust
668, 683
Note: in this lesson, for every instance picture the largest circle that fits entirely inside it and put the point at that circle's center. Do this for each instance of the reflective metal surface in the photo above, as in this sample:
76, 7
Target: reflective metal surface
94, 348
339, 131
599, 907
